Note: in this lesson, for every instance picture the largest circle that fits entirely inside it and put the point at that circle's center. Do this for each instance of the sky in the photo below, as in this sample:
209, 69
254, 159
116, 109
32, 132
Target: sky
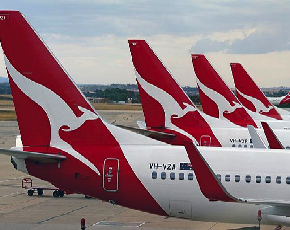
89, 37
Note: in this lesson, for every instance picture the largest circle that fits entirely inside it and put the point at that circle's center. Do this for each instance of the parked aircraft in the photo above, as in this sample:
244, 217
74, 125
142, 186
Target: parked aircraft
219, 101
250, 95
280, 100
168, 109
67, 143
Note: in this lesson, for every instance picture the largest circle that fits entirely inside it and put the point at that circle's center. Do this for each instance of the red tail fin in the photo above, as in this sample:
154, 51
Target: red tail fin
285, 100
43, 93
165, 105
50, 109
250, 95
216, 97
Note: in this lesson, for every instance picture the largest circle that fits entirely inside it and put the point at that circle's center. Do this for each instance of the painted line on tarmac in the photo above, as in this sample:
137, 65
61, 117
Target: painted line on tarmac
213, 226
63, 214
107, 218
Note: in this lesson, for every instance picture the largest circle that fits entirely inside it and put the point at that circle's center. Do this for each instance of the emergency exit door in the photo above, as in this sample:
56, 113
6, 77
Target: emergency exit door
111, 174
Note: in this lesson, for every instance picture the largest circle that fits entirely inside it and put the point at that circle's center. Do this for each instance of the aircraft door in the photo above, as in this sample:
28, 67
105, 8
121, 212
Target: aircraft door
111, 175
205, 140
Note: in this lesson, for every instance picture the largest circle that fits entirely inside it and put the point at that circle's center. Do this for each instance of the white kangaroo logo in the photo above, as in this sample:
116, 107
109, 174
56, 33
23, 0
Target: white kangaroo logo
169, 105
58, 112
259, 106
221, 101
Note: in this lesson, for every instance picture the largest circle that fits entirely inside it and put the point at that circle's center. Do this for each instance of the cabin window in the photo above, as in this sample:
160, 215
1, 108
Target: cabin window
278, 180
240, 146
248, 178
219, 177
172, 176
163, 175
154, 175
245, 146
288, 180
268, 179
227, 178
181, 176
258, 179
251, 146
233, 145
237, 178
190, 176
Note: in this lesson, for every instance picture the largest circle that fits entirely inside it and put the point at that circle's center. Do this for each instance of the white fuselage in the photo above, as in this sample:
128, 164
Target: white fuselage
182, 197
275, 100
231, 135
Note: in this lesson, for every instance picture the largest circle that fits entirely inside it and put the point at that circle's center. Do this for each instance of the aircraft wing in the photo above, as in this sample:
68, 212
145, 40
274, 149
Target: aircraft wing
34, 156
267, 202
213, 189
149, 133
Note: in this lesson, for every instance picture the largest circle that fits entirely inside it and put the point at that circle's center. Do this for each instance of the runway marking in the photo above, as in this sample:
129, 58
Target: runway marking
63, 214
104, 220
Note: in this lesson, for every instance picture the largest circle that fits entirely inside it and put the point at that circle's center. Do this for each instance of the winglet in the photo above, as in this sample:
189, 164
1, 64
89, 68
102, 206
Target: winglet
257, 140
208, 182
273, 140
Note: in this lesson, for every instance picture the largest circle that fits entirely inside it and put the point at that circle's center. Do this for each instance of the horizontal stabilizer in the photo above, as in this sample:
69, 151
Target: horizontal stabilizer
34, 156
149, 133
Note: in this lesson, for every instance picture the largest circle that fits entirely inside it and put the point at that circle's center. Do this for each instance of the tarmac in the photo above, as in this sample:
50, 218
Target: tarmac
20, 211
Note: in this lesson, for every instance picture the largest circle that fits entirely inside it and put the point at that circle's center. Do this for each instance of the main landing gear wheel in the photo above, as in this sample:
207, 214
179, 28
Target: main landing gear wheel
30, 192
58, 193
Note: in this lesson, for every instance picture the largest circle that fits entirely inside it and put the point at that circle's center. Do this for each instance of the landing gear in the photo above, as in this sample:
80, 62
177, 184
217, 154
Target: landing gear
58, 193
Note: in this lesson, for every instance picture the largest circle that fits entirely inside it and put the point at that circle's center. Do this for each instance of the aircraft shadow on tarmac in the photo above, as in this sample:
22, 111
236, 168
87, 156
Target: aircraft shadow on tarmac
245, 228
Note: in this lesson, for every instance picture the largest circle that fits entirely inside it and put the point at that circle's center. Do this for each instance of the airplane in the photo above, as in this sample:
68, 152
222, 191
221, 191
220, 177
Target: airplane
219, 101
168, 109
250, 95
284, 100
221, 180
67, 143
